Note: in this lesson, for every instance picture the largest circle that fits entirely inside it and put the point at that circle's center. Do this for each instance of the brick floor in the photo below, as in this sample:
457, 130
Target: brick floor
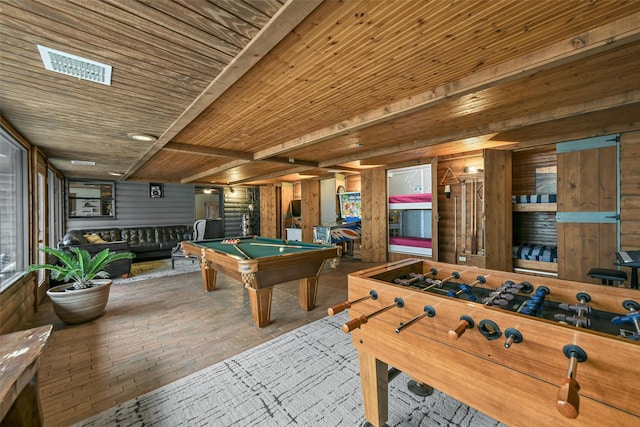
157, 331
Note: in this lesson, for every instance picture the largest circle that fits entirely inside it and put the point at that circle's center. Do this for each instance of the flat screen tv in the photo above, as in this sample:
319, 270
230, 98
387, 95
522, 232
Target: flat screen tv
296, 208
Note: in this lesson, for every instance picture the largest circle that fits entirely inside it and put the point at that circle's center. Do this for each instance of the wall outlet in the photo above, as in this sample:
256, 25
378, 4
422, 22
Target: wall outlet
462, 258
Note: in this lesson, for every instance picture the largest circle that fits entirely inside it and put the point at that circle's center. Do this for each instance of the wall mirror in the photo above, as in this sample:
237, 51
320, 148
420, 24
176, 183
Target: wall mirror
90, 199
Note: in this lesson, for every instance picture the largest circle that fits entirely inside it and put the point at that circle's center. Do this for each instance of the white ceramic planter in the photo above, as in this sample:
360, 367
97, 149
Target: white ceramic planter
81, 305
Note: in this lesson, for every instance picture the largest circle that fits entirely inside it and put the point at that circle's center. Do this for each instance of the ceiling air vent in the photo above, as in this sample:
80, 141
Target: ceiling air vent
71, 65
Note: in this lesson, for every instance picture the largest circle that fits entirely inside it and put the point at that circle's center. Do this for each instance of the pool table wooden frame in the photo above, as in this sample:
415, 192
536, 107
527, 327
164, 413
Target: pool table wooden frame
260, 274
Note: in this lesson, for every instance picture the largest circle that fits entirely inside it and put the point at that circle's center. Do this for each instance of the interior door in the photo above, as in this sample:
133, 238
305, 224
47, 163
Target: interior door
588, 211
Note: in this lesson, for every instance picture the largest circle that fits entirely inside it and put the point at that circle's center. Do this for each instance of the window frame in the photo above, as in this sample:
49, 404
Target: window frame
21, 222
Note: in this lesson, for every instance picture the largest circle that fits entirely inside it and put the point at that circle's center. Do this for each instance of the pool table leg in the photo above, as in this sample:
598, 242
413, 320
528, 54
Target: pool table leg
260, 300
209, 276
307, 291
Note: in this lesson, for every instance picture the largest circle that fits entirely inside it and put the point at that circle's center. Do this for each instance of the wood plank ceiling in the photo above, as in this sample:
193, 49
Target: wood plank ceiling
260, 91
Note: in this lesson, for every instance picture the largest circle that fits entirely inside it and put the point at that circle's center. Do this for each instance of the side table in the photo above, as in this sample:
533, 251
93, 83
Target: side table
19, 360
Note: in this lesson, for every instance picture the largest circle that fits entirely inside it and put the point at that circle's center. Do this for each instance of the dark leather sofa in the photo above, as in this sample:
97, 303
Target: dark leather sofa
145, 242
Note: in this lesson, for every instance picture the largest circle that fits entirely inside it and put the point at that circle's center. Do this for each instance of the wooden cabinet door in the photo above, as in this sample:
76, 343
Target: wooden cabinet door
588, 212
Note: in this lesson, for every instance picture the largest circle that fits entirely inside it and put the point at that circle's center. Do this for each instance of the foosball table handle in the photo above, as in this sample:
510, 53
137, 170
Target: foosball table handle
361, 320
568, 398
338, 308
354, 324
568, 403
466, 322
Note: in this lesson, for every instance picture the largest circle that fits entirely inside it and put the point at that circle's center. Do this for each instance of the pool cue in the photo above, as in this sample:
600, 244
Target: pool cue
241, 251
283, 245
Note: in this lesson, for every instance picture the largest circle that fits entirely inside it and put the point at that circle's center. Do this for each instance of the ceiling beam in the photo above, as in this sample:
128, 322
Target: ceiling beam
234, 154
292, 13
560, 113
272, 175
207, 151
609, 36
214, 171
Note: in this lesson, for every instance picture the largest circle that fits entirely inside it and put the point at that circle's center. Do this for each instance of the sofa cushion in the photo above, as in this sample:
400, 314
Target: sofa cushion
140, 238
168, 237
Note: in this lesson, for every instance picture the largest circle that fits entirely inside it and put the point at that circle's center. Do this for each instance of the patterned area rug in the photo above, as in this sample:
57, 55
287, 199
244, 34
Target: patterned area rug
158, 268
306, 377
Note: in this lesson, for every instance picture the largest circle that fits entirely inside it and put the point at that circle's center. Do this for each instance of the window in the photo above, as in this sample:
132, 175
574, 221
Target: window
14, 232
90, 199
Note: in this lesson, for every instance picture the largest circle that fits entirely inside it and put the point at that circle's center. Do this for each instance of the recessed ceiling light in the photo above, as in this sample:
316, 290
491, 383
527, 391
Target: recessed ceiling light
83, 162
115, 173
142, 137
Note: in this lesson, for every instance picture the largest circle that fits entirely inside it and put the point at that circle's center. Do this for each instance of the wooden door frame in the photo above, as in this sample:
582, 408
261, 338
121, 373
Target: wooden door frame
39, 167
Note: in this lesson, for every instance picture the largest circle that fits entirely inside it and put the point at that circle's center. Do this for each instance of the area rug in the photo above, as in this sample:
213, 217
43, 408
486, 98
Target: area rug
306, 377
158, 268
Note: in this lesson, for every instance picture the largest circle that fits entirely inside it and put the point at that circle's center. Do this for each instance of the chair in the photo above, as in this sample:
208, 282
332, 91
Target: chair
176, 252
608, 276
199, 228
202, 229
208, 229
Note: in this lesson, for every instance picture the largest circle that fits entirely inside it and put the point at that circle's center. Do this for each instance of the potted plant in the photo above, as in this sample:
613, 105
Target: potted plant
82, 297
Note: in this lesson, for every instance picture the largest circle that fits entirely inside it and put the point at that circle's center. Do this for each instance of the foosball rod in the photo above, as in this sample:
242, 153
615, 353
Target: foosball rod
465, 288
428, 311
454, 275
347, 304
415, 278
359, 321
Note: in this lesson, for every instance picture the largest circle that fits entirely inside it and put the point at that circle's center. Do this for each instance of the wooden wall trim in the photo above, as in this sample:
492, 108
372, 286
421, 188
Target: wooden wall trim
269, 211
310, 189
498, 210
374, 215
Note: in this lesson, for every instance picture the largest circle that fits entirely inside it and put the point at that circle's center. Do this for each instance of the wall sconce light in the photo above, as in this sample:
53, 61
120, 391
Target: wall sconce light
472, 169
447, 191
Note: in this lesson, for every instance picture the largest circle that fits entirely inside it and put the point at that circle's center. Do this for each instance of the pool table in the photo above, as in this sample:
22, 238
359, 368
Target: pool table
260, 263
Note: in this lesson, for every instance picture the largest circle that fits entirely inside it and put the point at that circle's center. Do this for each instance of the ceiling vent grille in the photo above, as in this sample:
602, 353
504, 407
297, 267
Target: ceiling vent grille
71, 65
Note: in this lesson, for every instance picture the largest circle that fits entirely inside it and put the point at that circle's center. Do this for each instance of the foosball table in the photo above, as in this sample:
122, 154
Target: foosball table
524, 350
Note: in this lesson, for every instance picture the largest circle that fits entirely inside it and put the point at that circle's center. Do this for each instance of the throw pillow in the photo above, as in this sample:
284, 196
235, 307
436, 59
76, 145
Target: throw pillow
95, 238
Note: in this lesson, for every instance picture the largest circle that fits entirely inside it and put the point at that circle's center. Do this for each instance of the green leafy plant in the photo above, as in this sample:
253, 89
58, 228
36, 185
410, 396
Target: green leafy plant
78, 266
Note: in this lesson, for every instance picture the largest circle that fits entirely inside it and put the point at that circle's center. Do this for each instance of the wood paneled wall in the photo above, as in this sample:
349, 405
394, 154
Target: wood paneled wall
533, 227
353, 183
498, 210
524, 167
310, 188
450, 236
18, 302
270, 211
374, 215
